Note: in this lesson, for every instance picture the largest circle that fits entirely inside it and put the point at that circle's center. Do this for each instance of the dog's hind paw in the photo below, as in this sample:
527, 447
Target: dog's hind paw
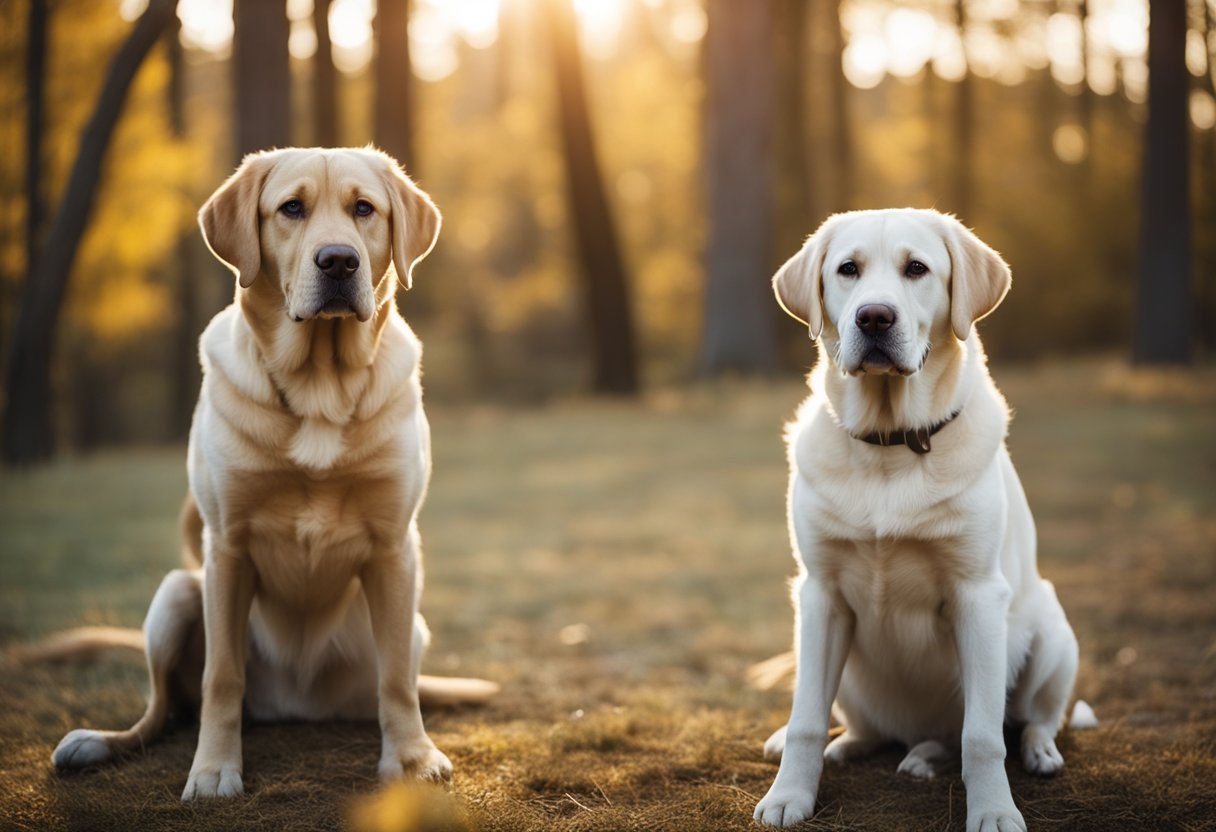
1039, 753
926, 760
82, 748
774, 746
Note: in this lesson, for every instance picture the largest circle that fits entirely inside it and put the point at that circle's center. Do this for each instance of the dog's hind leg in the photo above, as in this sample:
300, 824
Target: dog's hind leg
176, 610
1042, 693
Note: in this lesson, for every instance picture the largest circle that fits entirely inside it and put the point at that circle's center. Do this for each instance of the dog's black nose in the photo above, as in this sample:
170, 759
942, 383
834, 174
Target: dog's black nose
337, 262
875, 318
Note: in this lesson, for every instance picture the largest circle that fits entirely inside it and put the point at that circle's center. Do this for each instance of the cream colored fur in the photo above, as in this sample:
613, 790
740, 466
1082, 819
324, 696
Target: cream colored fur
920, 615
309, 459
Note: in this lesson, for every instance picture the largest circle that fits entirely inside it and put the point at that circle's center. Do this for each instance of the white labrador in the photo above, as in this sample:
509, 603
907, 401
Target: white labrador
309, 459
919, 608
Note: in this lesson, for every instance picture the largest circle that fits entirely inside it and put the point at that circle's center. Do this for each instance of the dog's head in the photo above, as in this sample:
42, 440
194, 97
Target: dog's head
880, 287
322, 225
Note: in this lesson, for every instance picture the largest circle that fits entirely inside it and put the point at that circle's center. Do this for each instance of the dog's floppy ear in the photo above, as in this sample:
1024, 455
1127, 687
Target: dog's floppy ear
230, 221
799, 283
979, 278
415, 221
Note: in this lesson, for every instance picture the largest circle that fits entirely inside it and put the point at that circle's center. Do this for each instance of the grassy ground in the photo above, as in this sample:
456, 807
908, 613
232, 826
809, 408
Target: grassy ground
617, 567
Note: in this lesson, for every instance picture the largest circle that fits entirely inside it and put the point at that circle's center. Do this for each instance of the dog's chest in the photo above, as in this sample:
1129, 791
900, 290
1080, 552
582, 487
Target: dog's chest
891, 575
309, 539
898, 591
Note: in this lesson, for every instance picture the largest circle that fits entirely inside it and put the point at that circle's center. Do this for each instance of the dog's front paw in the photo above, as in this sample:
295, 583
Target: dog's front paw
423, 762
81, 748
224, 781
785, 806
1008, 819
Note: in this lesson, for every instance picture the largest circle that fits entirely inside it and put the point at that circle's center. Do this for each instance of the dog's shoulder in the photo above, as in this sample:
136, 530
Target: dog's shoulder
230, 358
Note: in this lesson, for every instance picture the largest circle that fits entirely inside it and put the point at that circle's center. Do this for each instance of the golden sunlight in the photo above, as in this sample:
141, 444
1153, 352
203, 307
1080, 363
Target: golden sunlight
883, 38
600, 25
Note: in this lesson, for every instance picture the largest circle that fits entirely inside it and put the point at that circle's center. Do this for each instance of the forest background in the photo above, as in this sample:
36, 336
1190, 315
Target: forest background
619, 179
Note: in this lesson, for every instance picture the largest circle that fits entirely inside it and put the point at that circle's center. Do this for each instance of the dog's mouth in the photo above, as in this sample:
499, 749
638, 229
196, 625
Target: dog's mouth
878, 362
336, 308
336, 299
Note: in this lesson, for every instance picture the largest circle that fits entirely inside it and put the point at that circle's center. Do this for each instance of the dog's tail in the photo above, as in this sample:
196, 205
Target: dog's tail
778, 670
1083, 716
77, 644
448, 691
83, 643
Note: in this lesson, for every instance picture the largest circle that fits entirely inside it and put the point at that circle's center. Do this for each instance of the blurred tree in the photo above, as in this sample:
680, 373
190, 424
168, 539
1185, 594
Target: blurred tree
605, 286
186, 373
324, 81
1205, 206
28, 435
793, 143
1086, 99
964, 105
842, 137
740, 315
1164, 307
35, 83
261, 74
394, 80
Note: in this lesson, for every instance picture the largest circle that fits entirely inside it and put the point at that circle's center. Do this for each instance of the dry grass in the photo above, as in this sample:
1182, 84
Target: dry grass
658, 528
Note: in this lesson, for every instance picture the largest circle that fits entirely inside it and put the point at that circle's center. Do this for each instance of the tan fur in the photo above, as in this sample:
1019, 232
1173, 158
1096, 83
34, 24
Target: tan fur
309, 458
920, 615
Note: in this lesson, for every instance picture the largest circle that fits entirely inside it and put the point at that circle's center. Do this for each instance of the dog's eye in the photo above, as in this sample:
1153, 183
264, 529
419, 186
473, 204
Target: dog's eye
916, 269
363, 208
292, 208
848, 268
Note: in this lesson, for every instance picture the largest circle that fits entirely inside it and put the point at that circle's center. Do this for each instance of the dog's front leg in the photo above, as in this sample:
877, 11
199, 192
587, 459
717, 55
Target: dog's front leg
390, 582
980, 625
824, 632
228, 586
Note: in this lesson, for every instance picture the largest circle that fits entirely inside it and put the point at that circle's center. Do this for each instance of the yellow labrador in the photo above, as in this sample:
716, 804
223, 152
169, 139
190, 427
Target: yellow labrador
919, 608
309, 458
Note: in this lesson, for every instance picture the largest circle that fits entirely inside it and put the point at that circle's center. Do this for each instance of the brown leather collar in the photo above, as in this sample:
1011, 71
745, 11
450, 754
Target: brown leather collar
915, 438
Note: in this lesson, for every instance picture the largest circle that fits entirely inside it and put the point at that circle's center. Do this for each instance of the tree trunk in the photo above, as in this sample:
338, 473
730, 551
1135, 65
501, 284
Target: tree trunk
842, 136
740, 313
324, 81
186, 373
35, 75
1085, 103
394, 81
262, 75
28, 435
1206, 290
793, 143
964, 106
1164, 309
606, 291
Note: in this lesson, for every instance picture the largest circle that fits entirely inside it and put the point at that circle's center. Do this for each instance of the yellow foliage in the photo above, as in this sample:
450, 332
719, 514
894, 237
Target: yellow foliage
145, 200
126, 307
